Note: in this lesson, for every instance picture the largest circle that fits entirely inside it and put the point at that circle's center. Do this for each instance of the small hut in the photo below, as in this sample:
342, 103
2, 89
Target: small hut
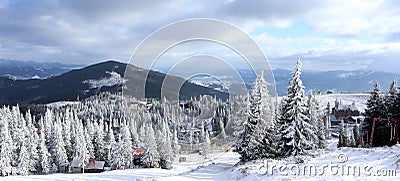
137, 156
77, 165
94, 166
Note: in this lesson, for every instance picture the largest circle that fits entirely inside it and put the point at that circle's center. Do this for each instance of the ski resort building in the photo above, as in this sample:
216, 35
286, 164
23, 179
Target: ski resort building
341, 111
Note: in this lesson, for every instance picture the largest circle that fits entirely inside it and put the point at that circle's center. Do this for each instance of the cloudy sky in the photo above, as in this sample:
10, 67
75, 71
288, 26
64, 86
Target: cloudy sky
327, 35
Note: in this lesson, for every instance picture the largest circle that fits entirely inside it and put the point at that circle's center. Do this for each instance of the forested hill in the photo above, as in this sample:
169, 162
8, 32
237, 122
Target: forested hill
81, 83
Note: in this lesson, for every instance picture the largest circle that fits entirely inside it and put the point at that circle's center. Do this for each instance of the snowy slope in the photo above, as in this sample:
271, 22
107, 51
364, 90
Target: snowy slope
370, 161
331, 164
215, 168
114, 79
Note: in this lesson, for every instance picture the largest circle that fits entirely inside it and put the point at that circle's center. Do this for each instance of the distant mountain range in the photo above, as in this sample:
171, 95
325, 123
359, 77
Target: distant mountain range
334, 81
82, 83
59, 82
21, 70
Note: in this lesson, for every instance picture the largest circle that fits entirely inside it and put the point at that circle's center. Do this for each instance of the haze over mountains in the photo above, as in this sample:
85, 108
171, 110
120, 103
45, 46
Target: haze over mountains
30, 82
20, 70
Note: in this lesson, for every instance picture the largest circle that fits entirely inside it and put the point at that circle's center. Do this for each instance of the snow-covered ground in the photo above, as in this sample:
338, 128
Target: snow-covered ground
114, 79
329, 164
215, 168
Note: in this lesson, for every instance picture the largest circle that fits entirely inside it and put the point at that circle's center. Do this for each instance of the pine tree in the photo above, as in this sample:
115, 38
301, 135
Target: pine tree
18, 133
375, 108
67, 133
99, 144
328, 121
316, 122
110, 141
390, 106
296, 131
349, 137
356, 133
164, 144
5, 145
23, 160
202, 137
32, 147
342, 135
134, 134
206, 145
79, 140
89, 145
152, 154
117, 160
126, 146
258, 138
247, 141
44, 155
58, 152
397, 106
239, 115
222, 134
175, 143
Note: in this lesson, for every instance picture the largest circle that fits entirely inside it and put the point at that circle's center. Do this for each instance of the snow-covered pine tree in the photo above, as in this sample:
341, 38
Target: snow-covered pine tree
356, 133
206, 145
152, 154
397, 107
44, 155
134, 133
117, 159
58, 152
316, 121
100, 150
31, 138
191, 134
342, 136
348, 136
295, 131
222, 134
390, 105
79, 140
47, 126
142, 135
89, 144
164, 144
126, 145
258, 138
18, 131
375, 108
110, 142
202, 137
5, 144
66, 128
176, 148
23, 160
247, 141
32, 147
239, 115
328, 121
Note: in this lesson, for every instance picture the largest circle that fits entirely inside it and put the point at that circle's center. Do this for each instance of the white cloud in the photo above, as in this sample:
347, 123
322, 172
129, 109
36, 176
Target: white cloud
88, 31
